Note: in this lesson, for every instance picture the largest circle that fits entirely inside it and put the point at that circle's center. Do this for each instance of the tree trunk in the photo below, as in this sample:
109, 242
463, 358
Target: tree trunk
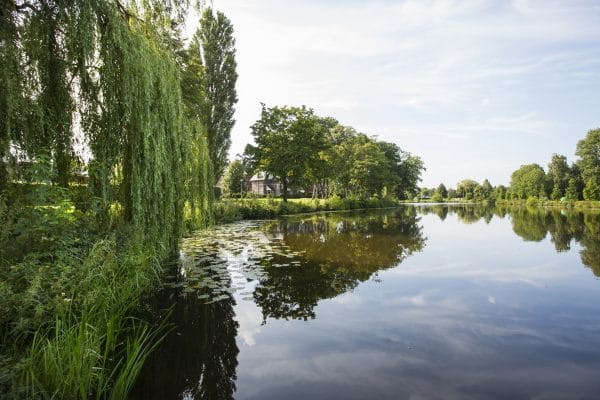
284, 180
3, 175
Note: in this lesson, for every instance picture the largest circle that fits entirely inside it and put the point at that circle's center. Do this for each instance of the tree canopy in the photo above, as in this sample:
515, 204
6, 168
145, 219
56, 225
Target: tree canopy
233, 180
528, 181
588, 150
107, 77
288, 142
323, 157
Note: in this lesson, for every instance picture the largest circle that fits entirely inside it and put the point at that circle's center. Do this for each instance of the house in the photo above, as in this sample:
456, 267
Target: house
264, 184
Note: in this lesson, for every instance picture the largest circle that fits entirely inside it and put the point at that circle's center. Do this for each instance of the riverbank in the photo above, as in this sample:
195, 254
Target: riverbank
71, 293
534, 202
229, 210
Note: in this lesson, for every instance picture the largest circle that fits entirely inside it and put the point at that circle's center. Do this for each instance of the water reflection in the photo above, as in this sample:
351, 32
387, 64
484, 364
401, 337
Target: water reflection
466, 318
466, 213
564, 228
198, 359
336, 253
534, 224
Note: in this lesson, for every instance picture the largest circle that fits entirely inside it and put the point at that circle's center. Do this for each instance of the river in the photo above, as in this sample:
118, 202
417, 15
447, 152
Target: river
420, 302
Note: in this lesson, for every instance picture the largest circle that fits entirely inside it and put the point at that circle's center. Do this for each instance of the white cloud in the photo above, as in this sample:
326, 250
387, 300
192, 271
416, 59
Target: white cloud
461, 69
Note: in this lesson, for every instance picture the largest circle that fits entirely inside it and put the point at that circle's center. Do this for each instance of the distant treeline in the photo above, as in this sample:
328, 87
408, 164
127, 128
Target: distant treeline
561, 181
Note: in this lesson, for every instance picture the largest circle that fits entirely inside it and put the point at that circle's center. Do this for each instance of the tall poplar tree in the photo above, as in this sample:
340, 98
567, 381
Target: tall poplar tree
214, 39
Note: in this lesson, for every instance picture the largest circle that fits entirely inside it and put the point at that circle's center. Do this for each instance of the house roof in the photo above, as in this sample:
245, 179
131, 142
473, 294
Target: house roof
262, 176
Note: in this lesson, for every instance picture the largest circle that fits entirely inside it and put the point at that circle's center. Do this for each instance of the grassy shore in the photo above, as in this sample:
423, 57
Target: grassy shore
70, 294
533, 201
228, 210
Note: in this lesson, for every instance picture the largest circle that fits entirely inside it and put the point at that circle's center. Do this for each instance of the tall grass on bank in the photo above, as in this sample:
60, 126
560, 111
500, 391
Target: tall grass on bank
229, 210
69, 294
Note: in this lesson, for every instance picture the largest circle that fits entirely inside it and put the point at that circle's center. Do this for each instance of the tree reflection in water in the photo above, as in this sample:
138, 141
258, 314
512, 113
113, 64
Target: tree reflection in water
198, 359
564, 227
336, 254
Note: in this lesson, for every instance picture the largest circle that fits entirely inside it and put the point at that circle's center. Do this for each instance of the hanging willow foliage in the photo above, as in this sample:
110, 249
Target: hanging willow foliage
200, 194
109, 66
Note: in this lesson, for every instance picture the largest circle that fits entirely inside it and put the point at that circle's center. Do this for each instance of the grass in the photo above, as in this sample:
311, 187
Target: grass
228, 210
69, 296
534, 202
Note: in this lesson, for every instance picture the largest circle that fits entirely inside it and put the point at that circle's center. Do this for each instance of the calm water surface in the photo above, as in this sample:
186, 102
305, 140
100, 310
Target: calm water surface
419, 302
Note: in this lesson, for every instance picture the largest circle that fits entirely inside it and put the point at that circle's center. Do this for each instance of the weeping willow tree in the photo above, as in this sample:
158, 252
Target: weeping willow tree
105, 72
200, 169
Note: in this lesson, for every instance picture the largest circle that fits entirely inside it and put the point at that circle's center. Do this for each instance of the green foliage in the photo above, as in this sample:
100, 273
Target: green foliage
572, 191
75, 262
500, 192
329, 159
68, 291
528, 181
234, 210
199, 168
234, 180
288, 141
199, 195
486, 190
369, 170
215, 43
467, 189
558, 176
591, 190
588, 150
441, 191
111, 59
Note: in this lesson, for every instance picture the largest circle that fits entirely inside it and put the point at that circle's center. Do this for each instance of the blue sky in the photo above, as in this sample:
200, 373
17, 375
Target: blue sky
475, 88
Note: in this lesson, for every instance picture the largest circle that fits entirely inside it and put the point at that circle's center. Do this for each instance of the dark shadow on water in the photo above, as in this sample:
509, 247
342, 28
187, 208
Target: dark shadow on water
198, 359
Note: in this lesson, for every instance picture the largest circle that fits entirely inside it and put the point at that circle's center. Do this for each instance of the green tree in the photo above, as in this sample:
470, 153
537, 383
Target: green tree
199, 169
486, 189
214, 39
528, 181
467, 188
340, 156
233, 180
410, 171
111, 66
572, 192
288, 143
442, 191
591, 191
558, 176
362, 166
370, 170
500, 192
319, 174
588, 150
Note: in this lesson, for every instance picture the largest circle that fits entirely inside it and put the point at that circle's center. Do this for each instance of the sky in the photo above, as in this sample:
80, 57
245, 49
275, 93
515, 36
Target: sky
474, 88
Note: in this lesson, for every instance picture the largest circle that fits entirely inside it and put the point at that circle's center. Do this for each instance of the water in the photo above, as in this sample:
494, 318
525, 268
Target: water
421, 303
